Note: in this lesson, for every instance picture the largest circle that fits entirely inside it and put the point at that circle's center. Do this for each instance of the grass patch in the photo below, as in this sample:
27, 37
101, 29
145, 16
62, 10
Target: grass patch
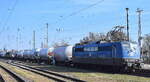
91, 76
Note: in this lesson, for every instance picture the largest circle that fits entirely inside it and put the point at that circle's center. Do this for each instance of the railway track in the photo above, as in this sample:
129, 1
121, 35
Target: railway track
1, 79
142, 73
15, 76
49, 74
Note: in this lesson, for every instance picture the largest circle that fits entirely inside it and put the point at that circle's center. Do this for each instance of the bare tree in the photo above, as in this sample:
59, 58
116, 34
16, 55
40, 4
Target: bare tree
93, 37
146, 48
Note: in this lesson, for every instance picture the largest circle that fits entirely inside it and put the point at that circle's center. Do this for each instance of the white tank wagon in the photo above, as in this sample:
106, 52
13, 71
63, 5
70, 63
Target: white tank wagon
10, 54
63, 54
2, 53
32, 54
25, 53
29, 54
13, 54
37, 57
46, 53
20, 54
37, 52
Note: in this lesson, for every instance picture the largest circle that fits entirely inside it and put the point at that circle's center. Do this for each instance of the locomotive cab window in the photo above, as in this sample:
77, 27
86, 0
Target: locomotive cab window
91, 49
126, 46
105, 48
78, 49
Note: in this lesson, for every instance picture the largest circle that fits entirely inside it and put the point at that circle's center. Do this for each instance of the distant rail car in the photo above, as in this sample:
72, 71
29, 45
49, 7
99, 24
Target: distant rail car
10, 54
27, 54
2, 53
19, 54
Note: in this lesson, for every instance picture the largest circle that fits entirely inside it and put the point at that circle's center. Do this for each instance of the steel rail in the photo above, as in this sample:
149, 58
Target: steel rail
13, 74
38, 72
53, 73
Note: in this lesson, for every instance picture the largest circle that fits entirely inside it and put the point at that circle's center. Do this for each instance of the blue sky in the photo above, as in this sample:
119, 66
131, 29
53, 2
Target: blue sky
29, 15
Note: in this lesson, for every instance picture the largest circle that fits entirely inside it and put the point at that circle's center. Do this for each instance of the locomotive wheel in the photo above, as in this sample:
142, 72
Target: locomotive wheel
116, 69
75, 65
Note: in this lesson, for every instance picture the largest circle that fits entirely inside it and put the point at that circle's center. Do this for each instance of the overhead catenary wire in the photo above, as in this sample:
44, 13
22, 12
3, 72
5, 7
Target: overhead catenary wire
79, 11
10, 12
11, 9
83, 9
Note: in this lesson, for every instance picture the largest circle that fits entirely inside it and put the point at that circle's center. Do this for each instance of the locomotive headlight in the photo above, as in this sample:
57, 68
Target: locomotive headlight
129, 64
132, 53
136, 60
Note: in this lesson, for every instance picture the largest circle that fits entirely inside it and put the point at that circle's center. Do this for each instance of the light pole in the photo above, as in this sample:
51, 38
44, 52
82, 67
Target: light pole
139, 27
127, 12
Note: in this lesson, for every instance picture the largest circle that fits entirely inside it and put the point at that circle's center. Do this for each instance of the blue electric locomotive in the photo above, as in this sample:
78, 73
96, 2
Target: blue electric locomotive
117, 54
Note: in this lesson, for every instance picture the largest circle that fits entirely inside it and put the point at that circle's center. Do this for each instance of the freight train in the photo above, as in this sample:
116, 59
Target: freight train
119, 55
